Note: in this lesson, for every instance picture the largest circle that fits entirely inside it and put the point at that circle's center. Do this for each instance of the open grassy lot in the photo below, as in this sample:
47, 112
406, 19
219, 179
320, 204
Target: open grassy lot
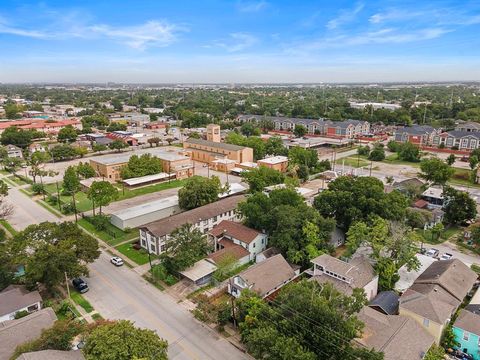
394, 160
111, 235
138, 256
444, 236
353, 161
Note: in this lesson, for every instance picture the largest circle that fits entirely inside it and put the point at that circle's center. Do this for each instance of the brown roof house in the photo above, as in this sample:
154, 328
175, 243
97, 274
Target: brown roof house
237, 240
16, 298
436, 294
17, 332
265, 278
398, 337
346, 276
52, 355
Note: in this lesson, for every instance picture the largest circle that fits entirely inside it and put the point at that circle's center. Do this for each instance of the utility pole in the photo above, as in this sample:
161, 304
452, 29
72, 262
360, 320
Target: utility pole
371, 162
68, 287
74, 206
58, 197
233, 313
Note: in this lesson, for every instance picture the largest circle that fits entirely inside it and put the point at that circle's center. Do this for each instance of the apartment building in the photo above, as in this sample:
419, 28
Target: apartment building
208, 151
153, 236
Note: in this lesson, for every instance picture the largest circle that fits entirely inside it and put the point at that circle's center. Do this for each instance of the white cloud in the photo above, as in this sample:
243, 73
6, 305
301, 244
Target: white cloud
251, 6
345, 16
238, 42
152, 33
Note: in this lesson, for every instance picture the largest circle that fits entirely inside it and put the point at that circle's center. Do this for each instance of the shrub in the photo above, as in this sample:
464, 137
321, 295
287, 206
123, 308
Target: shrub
38, 189
52, 199
100, 222
68, 208
20, 314
393, 146
363, 150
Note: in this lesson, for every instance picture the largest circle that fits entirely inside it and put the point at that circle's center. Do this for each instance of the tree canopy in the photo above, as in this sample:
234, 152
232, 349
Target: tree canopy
459, 207
67, 134
199, 191
102, 193
142, 165
261, 177
436, 171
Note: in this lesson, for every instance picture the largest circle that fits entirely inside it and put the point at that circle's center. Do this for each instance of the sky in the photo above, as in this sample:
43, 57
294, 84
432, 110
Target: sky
239, 41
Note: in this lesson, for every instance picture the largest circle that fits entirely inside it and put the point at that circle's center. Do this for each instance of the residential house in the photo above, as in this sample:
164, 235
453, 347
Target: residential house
236, 239
397, 337
265, 278
46, 126
36, 147
466, 331
17, 332
16, 298
436, 294
420, 135
346, 276
348, 129
408, 277
154, 235
14, 151
461, 140
208, 151
468, 126
434, 196
52, 355
279, 163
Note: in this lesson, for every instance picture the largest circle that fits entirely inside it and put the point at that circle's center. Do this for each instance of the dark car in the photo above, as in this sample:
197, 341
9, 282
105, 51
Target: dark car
80, 285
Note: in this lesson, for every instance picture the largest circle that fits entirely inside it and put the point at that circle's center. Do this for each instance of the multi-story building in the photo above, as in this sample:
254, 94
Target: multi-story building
47, 126
279, 163
110, 166
154, 236
421, 135
208, 151
468, 127
461, 140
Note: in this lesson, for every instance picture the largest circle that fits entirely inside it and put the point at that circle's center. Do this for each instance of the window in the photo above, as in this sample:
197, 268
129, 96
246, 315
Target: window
144, 243
426, 322
466, 336
32, 308
153, 248
254, 244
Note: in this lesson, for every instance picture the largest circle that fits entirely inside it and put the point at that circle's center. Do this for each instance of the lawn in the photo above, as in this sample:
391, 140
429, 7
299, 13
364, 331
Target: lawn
80, 300
112, 235
444, 236
393, 159
138, 256
82, 202
353, 162
17, 180
8, 227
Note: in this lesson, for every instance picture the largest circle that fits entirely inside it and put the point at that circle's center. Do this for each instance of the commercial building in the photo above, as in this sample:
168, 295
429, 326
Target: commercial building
154, 235
173, 162
279, 163
46, 126
145, 213
209, 151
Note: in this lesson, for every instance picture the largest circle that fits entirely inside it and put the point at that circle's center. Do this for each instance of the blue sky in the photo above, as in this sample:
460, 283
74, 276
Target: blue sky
239, 41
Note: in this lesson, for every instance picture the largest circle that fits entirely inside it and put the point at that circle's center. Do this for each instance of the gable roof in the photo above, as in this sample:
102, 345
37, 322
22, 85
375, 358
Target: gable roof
452, 275
415, 130
229, 248
167, 225
16, 332
52, 355
387, 301
16, 297
268, 274
461, 134
468, 321
398, 337
234, 230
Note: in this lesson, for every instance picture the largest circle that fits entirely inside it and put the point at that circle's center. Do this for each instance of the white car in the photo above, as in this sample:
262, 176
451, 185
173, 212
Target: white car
116, 261
432, 252
446, 256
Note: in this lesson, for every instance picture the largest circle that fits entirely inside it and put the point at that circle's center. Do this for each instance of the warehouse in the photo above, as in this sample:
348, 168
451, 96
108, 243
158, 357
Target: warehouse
143, 214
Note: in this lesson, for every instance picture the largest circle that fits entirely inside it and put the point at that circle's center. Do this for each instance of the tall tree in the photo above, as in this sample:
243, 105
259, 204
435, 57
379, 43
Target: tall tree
67, 134
300, 130
261, 177
102, 193
37, 163
85, 170
117, 145
142, 165
436, 171
459, 207
199, 191
121, 340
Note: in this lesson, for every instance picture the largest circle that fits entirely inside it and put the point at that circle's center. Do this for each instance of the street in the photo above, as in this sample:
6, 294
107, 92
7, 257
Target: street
120, 293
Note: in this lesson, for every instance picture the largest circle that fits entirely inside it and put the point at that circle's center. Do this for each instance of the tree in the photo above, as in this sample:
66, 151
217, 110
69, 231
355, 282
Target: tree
261, 177
302, 322
300, 156
37, 161
49, 250
116, 126
7, 263
224, 266
185, 247
102, 193
436, 171
459, 207
450, 159
142, 165
387, 274
154, 140
63, 152
15, 136
67, 134
408, 152
378, 153
121, 340
274, 146
393, 146
435, 353
71, 181
117, 145
363, 150
249, 129
300, 130
85, 170
350, 199
199, 191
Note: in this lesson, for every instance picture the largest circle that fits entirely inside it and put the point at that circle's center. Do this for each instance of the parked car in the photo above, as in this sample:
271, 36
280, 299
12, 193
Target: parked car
117, 261
80, 285
432, 252
446, 256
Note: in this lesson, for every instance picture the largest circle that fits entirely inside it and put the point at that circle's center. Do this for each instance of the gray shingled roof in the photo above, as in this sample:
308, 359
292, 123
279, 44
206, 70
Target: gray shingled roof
52, 355
16, 297
387, 301
460, 134
416, 129
468, 321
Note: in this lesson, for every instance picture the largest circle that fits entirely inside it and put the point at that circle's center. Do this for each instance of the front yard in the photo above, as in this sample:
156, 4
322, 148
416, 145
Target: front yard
111, 235
446, 234
138, 256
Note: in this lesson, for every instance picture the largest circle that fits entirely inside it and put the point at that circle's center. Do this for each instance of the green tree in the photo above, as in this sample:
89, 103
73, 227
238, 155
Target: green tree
363, 150
274, 146
67, 134
15, 136
63, 152
378, 153
199, 191
37, 162
85, 170
102, 193
121, 340
387, 274
300, 130
116, 126
117, 145
71, 181
142, 165
7, 262
459, 207
49, 250
186, 246
393, 146
261, 177
300, 156
451, 159
408, 152
249, 129
436, 171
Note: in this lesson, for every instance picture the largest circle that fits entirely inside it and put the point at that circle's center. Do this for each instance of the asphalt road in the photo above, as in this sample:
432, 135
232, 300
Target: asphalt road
119, 293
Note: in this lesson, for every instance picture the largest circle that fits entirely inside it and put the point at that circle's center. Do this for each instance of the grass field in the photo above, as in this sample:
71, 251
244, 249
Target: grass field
138, 256
393, 159
353, 162
444, 236
8, 227
112, 235
80, 300
17, 180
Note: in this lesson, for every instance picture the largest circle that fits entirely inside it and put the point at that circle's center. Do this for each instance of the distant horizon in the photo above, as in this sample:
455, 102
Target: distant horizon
239, 41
